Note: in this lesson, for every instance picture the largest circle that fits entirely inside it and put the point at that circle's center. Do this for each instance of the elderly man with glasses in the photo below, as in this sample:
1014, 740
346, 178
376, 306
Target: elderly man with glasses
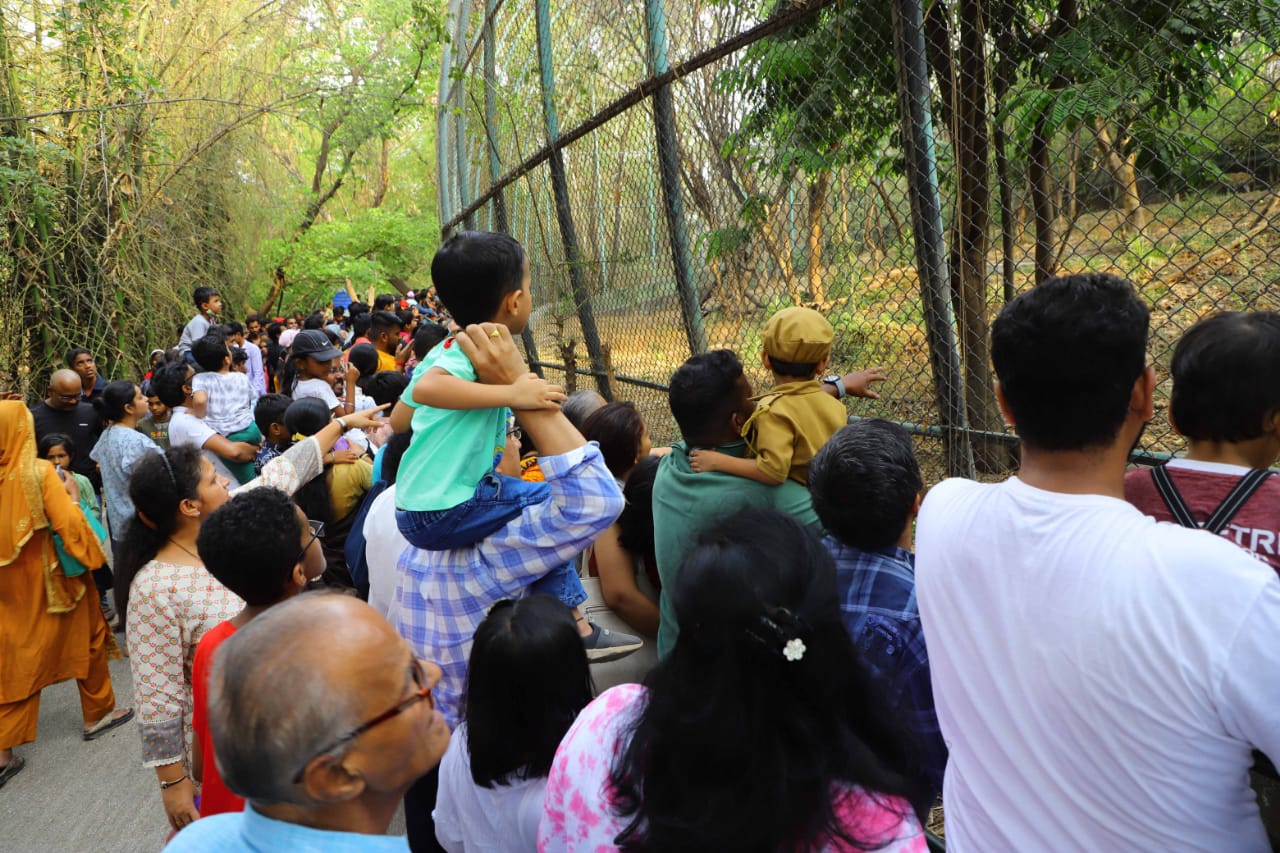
64, 412
321, 730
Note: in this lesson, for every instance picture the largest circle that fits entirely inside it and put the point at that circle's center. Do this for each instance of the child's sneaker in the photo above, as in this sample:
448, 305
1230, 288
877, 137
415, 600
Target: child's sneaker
605, 645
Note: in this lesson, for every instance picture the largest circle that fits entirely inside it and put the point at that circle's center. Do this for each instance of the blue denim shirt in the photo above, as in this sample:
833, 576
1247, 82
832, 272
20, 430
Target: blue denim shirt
877, 592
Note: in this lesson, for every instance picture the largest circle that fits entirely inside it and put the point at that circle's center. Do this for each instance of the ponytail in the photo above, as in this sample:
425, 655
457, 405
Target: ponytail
160, 481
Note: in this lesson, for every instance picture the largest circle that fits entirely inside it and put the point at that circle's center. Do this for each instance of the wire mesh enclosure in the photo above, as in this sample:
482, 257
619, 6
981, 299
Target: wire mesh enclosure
680, 170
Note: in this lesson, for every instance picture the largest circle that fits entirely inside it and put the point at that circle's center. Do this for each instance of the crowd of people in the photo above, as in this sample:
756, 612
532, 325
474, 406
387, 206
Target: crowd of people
366, 559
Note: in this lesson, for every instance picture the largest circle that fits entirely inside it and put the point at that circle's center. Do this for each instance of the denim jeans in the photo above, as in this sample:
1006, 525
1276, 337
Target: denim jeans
563, 583
497, 500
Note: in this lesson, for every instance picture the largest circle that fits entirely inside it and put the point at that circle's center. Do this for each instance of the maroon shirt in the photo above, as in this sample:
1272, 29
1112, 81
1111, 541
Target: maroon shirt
1203, 485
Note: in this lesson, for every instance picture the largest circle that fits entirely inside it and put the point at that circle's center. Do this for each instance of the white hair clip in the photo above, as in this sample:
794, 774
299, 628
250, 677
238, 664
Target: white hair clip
794, 650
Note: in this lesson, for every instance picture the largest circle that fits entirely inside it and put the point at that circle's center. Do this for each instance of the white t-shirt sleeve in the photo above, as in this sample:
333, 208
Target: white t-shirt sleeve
446, 817
1250, 689
317, 388
186, 430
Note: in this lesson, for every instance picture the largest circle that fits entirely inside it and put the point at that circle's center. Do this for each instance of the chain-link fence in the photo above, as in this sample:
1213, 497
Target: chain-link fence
678, 171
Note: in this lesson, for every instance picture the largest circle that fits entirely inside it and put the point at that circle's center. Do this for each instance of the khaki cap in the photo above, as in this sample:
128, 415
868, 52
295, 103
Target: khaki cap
798, 335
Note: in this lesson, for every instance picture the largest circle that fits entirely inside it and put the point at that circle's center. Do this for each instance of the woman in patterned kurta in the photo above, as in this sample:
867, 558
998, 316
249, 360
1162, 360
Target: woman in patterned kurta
50, 628
170, 599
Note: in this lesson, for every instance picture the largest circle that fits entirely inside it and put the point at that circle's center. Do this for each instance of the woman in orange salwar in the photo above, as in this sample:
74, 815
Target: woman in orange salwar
50, 628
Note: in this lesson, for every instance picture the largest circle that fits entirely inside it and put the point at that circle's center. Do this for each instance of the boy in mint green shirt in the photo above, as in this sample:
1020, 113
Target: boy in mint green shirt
448, 493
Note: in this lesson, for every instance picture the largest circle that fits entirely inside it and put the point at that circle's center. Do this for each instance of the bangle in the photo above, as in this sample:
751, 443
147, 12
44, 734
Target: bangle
164, 786
342, 424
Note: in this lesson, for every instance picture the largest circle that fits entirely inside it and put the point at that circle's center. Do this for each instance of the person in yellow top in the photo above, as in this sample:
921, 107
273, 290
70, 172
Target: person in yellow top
791, 422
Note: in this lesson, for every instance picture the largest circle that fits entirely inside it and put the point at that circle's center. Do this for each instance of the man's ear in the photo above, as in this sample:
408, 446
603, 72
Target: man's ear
1004, 405
1142, 397
327, 780
299, 577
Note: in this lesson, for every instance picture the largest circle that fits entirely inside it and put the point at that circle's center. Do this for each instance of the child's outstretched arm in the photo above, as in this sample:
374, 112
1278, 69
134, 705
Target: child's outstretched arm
713, 460
858, 383
443, 390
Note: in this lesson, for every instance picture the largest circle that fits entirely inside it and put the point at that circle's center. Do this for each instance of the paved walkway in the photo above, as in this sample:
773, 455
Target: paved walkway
94, 796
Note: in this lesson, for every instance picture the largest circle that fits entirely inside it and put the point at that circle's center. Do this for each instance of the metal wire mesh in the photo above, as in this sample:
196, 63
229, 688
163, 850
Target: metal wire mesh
905, 170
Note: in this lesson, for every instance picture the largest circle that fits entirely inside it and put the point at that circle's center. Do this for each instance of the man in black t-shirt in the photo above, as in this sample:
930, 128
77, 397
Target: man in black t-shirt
64, 412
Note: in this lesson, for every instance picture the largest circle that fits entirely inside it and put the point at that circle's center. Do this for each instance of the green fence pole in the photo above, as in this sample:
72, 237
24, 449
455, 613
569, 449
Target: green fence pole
664, 127
443, 143
564, 209
926, 222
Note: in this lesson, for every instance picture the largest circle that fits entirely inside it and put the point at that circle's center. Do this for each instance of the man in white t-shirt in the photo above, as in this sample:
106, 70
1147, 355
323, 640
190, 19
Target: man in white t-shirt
172, 384
1100, 679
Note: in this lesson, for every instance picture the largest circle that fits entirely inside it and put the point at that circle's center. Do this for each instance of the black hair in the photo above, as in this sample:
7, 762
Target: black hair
635, 525
1067, 353
386, 386
159, 482
74, 353
392, 453
426, 339
338, 312
864, 483
797, 369
268, 410
234, 327
118, 394
365, 359
238, 355
169, 383
355, 309
704, 393
360, 325
315, 320
384, 321
253, 318
474, 270
55, 439
307, 417
202, 295
527, 679
384, 301
210, 352
275, 330
619, 429
758, 583
1225, 383
264, 523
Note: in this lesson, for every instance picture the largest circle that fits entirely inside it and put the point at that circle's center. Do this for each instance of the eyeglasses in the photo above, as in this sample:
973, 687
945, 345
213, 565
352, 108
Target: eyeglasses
420, 678
317, 530
68, 398
516, 433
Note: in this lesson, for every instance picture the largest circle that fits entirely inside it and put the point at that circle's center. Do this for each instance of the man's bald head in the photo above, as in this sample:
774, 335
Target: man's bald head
64, 389
297, 679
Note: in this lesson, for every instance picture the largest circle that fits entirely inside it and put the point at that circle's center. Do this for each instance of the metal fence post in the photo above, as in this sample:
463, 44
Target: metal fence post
460, 114
926, 222
442, 128
564, 209
664, 128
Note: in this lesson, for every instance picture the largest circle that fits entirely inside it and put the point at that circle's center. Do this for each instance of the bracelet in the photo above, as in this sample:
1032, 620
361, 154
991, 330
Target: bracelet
342, 424
164, 786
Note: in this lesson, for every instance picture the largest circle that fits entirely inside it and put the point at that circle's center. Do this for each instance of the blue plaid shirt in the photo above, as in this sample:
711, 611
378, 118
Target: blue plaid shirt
877, 591
443, 596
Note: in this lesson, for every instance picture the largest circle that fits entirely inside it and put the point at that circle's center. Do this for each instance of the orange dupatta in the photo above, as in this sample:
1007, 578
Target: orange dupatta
21, 487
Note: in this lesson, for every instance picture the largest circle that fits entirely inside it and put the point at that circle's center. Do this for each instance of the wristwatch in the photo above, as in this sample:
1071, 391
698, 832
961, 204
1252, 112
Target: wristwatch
837, 381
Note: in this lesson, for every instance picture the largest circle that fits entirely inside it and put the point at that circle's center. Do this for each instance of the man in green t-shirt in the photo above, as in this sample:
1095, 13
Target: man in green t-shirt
710, 400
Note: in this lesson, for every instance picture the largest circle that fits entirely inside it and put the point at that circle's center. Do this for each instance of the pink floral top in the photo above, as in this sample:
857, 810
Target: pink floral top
170, 608
577, 816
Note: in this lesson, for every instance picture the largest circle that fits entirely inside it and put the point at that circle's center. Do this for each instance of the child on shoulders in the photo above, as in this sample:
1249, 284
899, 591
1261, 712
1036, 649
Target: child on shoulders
448, 494
793, 421
208, 306
228, 409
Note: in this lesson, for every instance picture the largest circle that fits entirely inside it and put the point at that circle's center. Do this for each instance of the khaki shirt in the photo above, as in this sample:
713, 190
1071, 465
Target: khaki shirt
789, 427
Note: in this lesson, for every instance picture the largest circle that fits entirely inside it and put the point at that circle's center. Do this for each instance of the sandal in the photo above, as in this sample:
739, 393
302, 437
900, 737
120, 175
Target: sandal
106, 724
13, 768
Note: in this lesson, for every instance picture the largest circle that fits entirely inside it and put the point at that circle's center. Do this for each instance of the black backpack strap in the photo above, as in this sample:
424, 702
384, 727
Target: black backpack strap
1225, 511
1236, 498
1172, 498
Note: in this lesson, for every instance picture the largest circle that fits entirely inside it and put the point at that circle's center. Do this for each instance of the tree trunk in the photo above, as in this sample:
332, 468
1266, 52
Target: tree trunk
818, 187
1040, 178
1123, 168
970, 236
1002, 35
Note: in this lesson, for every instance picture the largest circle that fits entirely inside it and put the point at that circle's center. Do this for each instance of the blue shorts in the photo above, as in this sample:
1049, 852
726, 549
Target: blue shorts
496, 500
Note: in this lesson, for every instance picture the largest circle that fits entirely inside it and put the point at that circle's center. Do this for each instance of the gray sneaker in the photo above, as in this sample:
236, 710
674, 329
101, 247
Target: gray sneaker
605, 645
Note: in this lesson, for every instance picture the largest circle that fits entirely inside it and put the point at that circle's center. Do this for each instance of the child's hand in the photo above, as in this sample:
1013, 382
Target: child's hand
345, 456
529, 392
858, 383
702, 461
352, 375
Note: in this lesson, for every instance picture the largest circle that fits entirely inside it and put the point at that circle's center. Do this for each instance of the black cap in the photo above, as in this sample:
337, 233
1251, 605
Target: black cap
314, 343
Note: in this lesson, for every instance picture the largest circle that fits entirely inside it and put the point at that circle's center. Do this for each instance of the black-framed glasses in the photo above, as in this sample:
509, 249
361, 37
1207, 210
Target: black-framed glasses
69, 398
516, 433
317, 530
423, 683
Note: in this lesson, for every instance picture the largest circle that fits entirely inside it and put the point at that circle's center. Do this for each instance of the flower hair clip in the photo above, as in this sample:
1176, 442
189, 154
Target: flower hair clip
794, 649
